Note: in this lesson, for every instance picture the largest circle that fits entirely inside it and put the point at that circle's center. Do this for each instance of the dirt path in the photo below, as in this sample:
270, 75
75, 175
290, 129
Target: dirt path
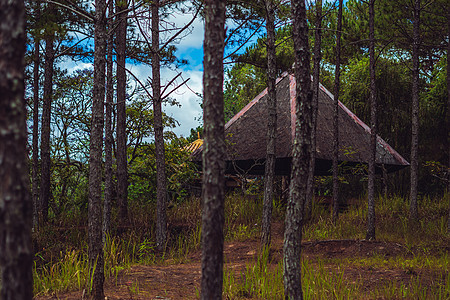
182, 281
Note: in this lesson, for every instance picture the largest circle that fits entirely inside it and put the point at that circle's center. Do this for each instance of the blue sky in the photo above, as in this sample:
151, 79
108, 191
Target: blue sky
191, 49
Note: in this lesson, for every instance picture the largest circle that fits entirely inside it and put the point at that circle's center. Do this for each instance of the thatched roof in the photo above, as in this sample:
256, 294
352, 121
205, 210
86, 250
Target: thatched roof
194, 145
246, 135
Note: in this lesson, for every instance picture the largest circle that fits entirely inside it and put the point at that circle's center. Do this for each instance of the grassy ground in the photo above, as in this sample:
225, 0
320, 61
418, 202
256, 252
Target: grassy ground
408, 261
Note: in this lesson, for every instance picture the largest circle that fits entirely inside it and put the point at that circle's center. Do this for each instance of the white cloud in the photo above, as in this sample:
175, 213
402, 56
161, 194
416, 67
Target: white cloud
189, 113
72, 66
190, 47
195, 37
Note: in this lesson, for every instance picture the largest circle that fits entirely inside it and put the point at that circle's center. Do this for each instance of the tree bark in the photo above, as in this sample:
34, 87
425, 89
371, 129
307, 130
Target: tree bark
315, 107
301, 156
370, 235
108, 128
95, 155
161, 218
413, 213
337, 83
44, 196
16, 255
448, 116
271, 125
35, 147
385, 181
122, 168
213, 152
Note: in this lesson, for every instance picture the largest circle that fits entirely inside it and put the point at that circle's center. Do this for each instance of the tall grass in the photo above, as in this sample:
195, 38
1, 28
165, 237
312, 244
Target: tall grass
424, 244
69, 269
260, 280
62, 266
320, 280
415, 289
71, 272
392, 222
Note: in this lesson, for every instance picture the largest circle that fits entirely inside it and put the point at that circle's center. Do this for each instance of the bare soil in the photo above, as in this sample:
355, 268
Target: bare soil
182, 281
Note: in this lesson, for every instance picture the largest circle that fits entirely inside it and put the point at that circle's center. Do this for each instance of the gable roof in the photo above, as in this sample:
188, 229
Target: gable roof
246, 134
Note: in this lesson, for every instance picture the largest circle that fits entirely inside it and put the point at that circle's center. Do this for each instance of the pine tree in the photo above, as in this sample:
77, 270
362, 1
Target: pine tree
373, 127
161, 220
301, 155
448, 114
45, 193
337, 83
213, 152
16, 254
121, 135
161, 53
271, 125
109, 185
35, 145
415, 113
95, 253
315, 84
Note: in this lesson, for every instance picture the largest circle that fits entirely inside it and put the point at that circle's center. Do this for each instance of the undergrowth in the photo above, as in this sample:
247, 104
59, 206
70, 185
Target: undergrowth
61, 262
259, 280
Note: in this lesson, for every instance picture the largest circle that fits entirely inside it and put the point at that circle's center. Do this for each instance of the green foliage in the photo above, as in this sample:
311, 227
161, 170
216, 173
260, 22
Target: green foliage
71, 115
433, 127
393, 81
244, 83
71, 272
393, 93
247, 78
195, 134
395, 27
71, 119
139, 123
180, 172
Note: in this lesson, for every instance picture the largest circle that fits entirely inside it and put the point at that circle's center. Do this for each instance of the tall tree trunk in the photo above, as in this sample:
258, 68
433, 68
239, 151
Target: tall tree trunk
385, 181
16, 256
315, 107
122, 169
108, 128
95, 154
370, 235
44, 196
213, 151
271, 125
35, 147
161, 218
448, 115
413, 213
337, 83
301, 156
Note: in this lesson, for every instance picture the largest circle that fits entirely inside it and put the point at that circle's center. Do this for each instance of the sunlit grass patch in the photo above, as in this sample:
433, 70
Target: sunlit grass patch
71, 272
421, 256
261, 281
